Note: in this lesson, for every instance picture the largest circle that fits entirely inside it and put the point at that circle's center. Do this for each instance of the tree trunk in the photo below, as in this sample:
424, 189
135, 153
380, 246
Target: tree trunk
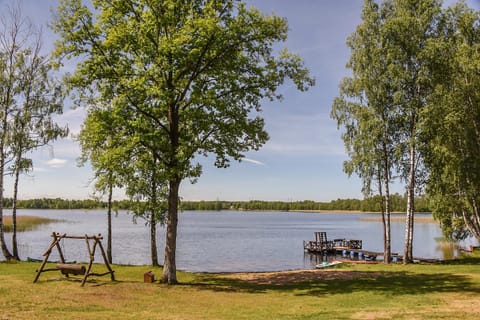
408, 250
387, 251
8, 256
384, 224
109, 222
169, 267
387, 243
14, 207
3, 245
153, 239
471, 217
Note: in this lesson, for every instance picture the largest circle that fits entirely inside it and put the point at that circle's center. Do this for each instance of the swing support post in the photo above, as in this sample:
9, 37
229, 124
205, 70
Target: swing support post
67, 269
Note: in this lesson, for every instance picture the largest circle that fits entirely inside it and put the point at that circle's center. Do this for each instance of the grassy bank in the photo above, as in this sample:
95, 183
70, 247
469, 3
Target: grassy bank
24, 222
439, 291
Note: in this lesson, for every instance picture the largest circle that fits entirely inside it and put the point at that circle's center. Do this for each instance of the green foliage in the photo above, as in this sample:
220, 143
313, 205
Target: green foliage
452, 141
382, 105
370, 204
186, 78
29, 99
58, 203
365, 106
104, 145
190, 74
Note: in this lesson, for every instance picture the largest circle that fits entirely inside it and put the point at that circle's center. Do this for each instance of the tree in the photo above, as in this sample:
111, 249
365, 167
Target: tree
29, 97
148, 195
366, 110
120, 159
393, 57
100, 139
453, 139
10, 39
32, 125
192, 72
412, 29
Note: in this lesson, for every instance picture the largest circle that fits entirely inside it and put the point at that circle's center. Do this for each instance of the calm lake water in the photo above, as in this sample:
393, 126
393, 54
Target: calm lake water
224, 241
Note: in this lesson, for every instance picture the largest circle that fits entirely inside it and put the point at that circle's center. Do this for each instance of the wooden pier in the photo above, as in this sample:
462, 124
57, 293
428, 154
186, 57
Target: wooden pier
321, 244
347, 248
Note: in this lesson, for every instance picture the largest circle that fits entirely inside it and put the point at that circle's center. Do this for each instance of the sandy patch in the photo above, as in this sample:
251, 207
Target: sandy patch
289, 277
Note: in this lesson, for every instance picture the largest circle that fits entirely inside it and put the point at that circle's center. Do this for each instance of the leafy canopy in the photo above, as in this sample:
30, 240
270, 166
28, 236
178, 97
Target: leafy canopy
190, 73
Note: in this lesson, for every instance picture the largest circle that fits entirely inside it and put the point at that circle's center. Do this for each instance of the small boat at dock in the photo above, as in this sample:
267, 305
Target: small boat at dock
328, 264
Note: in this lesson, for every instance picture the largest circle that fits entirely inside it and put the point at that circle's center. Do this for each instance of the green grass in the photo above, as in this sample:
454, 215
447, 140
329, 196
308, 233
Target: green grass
420, 291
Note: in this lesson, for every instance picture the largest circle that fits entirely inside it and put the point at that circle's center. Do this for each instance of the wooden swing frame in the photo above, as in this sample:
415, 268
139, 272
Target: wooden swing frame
75, 269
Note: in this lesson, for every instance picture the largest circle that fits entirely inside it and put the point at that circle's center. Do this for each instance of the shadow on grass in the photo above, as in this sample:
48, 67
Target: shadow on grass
398, 283
464, 260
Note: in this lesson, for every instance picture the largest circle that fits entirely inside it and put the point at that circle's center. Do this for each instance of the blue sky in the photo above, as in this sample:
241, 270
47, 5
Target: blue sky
303, 158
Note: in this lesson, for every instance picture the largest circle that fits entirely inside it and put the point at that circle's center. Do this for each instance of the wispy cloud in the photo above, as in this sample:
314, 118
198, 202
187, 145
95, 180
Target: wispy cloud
39, 169
57, 163
253, 161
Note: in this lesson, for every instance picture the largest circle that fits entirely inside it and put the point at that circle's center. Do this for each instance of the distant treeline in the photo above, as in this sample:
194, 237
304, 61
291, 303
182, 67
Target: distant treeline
398, 203
58, 203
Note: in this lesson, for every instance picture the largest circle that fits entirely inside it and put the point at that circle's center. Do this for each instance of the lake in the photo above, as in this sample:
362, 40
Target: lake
224, 241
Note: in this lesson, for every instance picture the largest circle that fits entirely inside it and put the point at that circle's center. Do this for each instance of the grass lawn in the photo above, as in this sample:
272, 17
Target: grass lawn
420, 291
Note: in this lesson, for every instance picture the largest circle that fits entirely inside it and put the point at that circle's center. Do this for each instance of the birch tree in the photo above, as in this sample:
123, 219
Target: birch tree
32, 125
412, 30
381, 106
29, 97
366, 112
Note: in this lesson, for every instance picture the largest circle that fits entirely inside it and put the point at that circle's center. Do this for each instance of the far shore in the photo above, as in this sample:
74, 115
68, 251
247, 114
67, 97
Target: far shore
422, 219
344, 211
327, 211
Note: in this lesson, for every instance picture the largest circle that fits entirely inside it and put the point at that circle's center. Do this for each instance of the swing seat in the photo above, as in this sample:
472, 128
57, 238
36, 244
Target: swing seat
75, 269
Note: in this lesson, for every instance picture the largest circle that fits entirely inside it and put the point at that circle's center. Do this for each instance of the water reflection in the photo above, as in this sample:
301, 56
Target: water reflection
225, 241
448, 249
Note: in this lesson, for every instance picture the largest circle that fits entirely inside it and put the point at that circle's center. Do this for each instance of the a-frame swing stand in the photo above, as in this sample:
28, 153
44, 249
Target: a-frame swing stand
75, 269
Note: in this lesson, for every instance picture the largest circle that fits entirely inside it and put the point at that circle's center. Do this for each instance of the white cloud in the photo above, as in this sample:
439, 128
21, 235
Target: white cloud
39, 169
253, 161
57, 163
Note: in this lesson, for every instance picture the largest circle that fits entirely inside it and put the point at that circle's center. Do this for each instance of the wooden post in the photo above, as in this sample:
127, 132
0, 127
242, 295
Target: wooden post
105, 259
91, 254
56, 240
59, 237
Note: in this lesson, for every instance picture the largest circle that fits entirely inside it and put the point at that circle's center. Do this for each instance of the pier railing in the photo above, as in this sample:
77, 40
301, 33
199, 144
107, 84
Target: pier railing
321, 244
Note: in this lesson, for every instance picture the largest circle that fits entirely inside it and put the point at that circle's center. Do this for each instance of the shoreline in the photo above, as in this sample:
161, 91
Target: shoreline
349, 211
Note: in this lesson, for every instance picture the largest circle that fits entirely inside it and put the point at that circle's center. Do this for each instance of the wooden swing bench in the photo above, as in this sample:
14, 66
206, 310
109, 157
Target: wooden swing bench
75, 269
